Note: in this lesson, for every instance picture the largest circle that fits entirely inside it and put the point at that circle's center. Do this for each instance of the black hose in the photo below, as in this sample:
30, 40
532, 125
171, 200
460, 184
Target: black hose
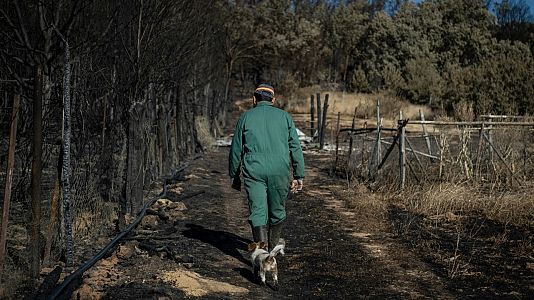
88, 264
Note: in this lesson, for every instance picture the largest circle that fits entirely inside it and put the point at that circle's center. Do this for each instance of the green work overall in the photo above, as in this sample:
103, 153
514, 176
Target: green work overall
265, 141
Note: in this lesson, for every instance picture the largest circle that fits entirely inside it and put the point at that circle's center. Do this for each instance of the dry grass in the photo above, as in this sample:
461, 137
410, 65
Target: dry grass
448, 200
462, 228
458, 185
346, 103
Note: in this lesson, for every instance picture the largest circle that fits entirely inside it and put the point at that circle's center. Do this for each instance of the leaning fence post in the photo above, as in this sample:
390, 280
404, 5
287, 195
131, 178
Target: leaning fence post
425, 134
402, 154
312, 115
323, 122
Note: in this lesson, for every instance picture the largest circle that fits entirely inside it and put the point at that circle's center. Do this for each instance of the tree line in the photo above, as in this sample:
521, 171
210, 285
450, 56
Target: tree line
445, 53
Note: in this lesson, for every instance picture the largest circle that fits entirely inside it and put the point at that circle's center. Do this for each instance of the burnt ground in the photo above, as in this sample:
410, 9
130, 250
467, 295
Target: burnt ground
340, 243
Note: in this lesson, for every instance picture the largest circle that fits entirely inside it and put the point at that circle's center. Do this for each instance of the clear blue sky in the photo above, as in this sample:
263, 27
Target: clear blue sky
530, 3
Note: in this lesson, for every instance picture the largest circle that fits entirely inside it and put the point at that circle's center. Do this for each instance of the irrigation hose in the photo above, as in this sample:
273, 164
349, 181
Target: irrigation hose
88, 264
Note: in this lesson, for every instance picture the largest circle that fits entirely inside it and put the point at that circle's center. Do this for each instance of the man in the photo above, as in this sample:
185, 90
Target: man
265, 143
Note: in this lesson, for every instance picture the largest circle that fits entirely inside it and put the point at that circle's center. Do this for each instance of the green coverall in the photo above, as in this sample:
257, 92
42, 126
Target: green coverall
265, 139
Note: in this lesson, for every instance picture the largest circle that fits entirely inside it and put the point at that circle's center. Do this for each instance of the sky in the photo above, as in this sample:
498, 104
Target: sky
530, 3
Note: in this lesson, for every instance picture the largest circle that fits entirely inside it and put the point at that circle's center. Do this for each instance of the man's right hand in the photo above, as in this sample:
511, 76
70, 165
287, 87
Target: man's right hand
236, 183
296, 185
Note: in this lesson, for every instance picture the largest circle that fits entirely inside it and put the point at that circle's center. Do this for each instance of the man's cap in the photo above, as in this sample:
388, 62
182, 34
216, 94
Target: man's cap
265, 90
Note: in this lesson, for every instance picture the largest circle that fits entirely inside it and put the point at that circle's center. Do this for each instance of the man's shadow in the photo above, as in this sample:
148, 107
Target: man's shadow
227, 242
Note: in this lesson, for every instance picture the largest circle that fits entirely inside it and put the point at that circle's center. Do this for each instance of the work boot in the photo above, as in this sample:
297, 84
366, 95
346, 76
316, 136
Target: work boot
275, 232
259, 234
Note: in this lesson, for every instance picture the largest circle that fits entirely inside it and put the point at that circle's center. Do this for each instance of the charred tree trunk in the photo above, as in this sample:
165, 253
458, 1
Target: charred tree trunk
162, 139
9, 176
37, 148
135, 162
65, 174
184, 128
123, 199
179, 125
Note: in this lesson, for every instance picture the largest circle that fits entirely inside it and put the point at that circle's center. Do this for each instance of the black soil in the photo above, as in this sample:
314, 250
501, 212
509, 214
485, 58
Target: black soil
332, 251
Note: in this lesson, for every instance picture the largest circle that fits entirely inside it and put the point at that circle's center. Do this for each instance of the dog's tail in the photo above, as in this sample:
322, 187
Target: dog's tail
278, 249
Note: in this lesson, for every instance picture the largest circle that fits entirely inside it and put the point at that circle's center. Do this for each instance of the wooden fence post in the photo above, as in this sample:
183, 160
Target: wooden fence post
363, 148
319, 115
425, 135
351, 140
402, 154
312, 115
490, 141
378, 132
337, 140
374, 160
9, 177
323, 122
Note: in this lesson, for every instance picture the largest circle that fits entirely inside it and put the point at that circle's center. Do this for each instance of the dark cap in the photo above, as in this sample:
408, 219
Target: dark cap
265, 90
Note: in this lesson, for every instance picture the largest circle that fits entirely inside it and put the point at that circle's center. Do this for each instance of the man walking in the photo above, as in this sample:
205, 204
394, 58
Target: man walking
265, 145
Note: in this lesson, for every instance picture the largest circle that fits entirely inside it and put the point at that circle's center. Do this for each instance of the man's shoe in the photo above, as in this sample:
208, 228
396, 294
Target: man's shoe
259, 234
275, 232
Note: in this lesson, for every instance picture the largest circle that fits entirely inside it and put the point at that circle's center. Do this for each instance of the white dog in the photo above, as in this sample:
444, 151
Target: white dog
264, 261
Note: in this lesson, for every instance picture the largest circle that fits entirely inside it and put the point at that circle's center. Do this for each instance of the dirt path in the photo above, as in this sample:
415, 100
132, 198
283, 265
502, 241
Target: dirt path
332, 251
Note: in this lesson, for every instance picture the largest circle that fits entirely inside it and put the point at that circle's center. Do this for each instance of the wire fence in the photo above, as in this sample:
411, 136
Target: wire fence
495, 150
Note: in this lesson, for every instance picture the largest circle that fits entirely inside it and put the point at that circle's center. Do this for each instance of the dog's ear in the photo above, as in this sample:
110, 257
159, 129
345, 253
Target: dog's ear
263, 245
252, 246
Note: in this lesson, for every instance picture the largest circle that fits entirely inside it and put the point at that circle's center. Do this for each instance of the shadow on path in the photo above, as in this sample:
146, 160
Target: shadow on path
227, 242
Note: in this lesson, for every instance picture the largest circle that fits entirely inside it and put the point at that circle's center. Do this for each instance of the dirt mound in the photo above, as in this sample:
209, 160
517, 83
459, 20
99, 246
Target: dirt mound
195, 285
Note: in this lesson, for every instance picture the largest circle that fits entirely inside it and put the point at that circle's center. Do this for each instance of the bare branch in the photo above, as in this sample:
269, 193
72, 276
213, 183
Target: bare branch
22, 28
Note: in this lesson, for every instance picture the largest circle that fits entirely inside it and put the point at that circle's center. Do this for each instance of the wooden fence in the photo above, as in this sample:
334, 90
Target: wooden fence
496, 149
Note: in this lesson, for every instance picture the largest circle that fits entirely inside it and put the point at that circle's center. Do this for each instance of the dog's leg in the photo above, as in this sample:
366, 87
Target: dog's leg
262, 276
256, 273
275, 278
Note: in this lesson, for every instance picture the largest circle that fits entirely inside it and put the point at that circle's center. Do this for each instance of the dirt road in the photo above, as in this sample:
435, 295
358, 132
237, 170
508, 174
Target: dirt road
199, 251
